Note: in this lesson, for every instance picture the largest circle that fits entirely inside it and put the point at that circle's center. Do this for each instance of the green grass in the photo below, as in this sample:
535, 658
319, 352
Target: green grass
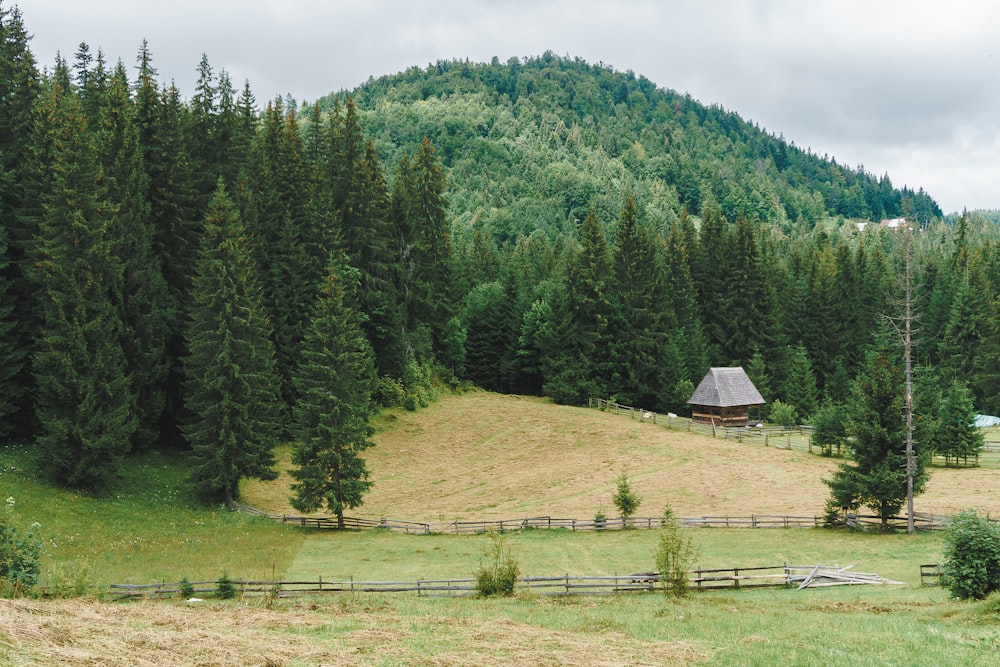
379, 556
146, 527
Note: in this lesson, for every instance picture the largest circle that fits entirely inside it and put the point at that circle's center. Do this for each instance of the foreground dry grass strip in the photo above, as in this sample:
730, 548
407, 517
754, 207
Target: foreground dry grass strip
86, 633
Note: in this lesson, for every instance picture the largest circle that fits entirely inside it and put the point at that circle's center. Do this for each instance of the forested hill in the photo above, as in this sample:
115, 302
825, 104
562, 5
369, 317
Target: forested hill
535, 142
221, 276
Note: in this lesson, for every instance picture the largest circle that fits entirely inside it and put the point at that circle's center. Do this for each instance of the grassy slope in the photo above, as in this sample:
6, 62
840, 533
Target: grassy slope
147, 529
482, 456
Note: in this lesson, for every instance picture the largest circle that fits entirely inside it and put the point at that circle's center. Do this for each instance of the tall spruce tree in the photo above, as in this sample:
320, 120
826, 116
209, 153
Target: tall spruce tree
334, 384
424, 245
11, 354
19, 90
84, 402
647, 367
799, 389
877, 479
231, 381
146, 307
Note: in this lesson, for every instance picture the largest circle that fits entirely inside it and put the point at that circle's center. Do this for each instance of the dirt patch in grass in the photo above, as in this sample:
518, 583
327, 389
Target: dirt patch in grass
490, 456
85, 633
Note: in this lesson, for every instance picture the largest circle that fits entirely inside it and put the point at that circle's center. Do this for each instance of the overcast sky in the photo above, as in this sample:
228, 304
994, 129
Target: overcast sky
904, 87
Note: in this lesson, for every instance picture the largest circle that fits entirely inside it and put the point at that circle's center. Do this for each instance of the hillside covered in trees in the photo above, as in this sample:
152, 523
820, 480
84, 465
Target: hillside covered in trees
169, 265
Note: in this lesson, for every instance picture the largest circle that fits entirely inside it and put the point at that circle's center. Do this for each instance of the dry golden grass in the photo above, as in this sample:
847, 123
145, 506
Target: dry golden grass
81, 633
488, 456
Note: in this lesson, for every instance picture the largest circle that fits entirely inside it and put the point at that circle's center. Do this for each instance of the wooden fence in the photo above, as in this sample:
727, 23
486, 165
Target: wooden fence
930, 575
798, 438
542, 522
866, 522
561, 585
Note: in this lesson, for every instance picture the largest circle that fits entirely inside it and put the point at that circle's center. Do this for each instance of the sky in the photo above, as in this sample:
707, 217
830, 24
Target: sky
907, 88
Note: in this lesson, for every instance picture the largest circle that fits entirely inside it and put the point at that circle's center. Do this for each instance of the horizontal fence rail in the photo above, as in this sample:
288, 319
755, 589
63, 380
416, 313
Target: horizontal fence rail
562, 585
477, 527
922, 521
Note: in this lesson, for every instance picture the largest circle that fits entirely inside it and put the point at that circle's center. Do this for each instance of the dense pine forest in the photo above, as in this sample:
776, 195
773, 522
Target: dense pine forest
220, 274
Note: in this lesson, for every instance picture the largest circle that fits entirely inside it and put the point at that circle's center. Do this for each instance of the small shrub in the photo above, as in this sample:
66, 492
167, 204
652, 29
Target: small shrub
20, 554
625, 499
271, 595
784, 414
675, 555
600, 518
971, 568
71, 580
498, 569
185, 589
389, 392
225, 588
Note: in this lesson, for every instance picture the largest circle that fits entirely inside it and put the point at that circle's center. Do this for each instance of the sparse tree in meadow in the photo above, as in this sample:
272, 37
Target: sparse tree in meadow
626, 500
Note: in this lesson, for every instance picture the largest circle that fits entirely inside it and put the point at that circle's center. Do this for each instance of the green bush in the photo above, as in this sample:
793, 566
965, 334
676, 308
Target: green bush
971, 568
20, 554
225, 588
784, 414
498, 569
389, 392
675, 554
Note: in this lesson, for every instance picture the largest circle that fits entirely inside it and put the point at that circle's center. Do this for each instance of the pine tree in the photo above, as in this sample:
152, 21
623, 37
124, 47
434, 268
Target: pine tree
799, 389
332, 414
290, 244
146, 308
11, 354
424, 242
683, 298
588, 279
877, 478
957, 436
84, 404
231, 381
19, 90
648, 365
491, 335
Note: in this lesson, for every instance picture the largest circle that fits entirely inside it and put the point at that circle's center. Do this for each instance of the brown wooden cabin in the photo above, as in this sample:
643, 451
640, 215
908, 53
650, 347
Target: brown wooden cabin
724, 398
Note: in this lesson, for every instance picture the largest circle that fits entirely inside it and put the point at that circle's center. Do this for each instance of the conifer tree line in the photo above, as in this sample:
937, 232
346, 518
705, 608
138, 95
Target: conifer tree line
206, 274
217, 276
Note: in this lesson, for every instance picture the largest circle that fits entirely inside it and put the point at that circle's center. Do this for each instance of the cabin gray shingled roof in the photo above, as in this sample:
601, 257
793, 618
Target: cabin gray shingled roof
726, 387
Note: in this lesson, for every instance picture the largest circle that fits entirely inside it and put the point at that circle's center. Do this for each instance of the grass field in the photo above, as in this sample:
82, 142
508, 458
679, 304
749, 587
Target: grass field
487, 456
